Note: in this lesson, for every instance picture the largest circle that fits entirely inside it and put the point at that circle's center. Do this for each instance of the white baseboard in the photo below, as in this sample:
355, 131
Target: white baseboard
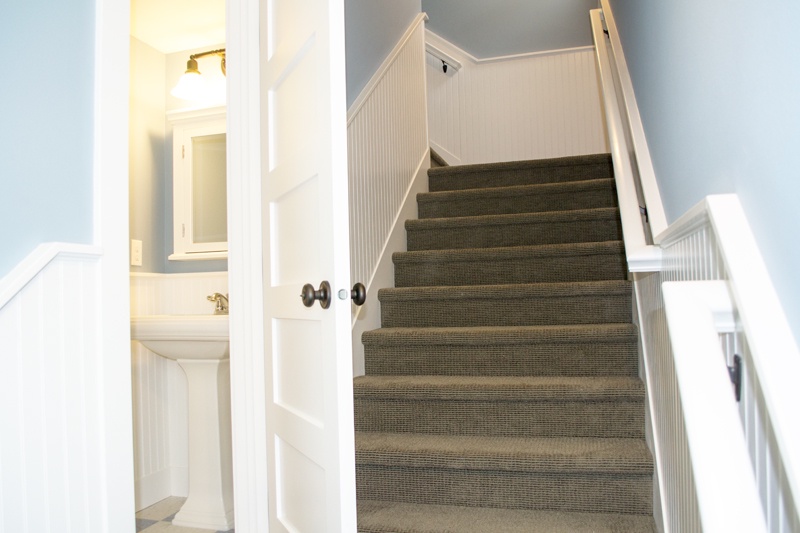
651, 428
172, 481
449, 157
368, 316
153, 488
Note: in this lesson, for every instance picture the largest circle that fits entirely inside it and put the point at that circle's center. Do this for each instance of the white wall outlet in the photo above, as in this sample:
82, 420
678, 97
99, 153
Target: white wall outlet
136, 253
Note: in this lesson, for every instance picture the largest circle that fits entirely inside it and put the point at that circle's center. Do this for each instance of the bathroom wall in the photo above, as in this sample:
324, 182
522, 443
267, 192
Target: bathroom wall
160, 427
148, 161
153, 74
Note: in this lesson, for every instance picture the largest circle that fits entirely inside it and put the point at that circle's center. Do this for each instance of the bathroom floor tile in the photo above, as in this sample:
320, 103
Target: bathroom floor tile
167, 527
143, 523
163, 509
158, 518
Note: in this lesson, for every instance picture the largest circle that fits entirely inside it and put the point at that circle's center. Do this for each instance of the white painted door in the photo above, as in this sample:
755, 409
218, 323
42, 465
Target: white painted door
310, 440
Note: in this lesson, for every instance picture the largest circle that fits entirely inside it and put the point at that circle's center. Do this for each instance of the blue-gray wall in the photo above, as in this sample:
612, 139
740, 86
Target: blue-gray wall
147, 163
507, 27
372, 29
46, 124
718, 87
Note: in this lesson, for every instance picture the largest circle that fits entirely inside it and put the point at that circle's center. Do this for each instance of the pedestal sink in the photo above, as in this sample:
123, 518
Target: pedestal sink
200, 345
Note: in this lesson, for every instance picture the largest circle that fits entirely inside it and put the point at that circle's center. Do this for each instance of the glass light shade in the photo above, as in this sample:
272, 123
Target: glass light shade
191, 86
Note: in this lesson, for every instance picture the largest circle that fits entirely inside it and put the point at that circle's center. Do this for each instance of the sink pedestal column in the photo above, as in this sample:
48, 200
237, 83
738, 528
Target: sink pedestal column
210, 501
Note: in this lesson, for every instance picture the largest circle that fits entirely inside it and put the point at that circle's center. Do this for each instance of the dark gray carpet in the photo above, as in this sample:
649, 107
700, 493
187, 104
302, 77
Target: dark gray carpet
501, 393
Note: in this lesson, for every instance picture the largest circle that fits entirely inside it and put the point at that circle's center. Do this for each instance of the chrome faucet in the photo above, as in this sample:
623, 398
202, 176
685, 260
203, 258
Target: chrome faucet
222, 303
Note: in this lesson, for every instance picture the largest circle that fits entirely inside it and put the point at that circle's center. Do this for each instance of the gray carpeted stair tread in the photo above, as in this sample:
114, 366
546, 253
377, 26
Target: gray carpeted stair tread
627, 493
586, 350
507, 291
499, 388
573, 168
392, 517
494, 335
513, 454
511, 305
550, 227
587, 194
565, 474
508, 265
508, 406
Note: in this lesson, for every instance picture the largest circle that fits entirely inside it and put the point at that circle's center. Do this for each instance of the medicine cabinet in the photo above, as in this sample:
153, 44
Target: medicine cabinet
199, 184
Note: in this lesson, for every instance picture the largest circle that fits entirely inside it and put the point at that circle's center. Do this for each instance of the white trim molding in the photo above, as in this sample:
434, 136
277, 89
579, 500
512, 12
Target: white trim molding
727, 498
443, 49
245, 249
114, 503
27, 269
440, 54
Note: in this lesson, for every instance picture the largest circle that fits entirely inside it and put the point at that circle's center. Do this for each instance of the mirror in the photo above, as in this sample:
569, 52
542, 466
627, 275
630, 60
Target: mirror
199, 185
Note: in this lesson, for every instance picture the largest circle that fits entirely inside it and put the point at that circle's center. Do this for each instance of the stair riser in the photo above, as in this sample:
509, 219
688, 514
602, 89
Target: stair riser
532, 269
601, 419
490, 236
574, 359
510, 178
531, 203
462, 312
587, 492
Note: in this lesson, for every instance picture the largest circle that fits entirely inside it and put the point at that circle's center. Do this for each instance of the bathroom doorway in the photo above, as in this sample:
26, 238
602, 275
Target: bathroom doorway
163, 37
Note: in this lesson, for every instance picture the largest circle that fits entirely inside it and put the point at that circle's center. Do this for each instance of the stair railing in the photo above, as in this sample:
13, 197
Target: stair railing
641, 210
704, 301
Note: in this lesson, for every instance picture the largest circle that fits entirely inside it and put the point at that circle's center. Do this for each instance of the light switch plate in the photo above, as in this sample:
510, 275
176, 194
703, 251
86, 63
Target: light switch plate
136, 253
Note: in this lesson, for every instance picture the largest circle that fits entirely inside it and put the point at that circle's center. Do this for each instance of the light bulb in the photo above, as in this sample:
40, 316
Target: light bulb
191, 86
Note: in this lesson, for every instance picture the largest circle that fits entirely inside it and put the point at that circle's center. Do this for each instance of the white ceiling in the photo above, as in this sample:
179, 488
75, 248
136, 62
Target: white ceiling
176, 25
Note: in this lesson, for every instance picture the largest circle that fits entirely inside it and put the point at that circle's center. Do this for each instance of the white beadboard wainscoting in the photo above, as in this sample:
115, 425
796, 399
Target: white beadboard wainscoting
160, 426
53, 397
713, 244
528, 106
387, 136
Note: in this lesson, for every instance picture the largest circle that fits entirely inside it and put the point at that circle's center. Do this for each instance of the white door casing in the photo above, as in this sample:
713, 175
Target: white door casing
308, 367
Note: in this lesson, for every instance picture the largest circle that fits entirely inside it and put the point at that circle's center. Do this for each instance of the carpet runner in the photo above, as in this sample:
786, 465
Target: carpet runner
501, 393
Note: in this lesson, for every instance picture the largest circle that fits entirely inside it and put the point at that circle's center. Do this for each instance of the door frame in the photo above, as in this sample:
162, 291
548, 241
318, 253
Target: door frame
245, 247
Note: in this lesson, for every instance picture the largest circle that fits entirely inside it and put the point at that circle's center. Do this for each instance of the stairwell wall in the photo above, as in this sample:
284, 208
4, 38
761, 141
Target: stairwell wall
527, 106
387, 138
716, 83
46, 131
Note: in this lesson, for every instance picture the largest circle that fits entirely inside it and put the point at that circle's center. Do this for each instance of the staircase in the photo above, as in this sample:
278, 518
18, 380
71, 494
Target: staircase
501, 392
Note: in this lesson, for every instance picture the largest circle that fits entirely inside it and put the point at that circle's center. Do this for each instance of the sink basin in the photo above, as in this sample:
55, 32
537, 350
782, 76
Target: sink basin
192, 337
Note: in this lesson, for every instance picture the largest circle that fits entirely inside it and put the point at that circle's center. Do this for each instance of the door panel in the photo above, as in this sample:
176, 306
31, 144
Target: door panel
309, 368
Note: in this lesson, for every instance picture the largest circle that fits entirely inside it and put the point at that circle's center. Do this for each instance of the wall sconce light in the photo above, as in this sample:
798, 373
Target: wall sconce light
191, 85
